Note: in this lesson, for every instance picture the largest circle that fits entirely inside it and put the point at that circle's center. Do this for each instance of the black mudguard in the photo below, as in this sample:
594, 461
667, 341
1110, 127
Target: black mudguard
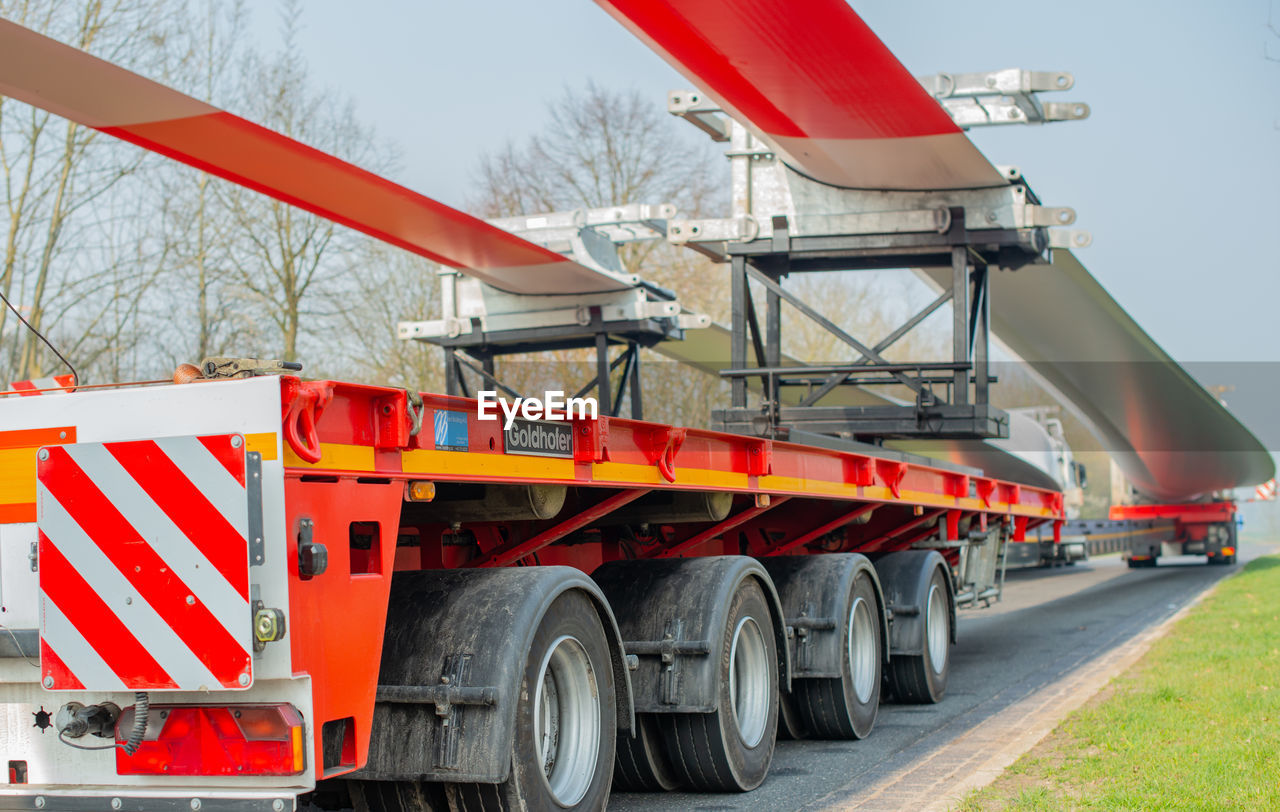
651, 597
487, 616
904, 576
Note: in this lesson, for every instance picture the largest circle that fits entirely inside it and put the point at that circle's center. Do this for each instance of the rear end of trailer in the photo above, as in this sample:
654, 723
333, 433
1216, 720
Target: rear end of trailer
143, 590
1207, 527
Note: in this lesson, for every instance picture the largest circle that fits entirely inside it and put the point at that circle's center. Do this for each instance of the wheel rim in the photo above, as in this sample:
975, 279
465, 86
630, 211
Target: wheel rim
936, 628
749, 681
566, 720
862, 650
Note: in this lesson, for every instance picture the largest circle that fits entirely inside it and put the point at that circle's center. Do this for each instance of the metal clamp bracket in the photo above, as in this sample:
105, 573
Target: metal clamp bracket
667, 649
449, 697
802, 628
1003, 97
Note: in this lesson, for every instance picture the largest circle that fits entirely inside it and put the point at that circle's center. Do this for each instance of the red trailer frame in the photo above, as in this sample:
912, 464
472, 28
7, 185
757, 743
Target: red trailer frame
351, 454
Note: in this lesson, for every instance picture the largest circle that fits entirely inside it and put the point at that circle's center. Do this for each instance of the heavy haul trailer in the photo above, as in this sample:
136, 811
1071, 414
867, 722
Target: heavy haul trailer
232, 590
1078, 539
1142, 533
1195, 528
421, 623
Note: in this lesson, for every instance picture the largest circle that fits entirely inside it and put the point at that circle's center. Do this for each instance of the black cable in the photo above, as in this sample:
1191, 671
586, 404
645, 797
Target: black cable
75, 376
141, 714
62, 738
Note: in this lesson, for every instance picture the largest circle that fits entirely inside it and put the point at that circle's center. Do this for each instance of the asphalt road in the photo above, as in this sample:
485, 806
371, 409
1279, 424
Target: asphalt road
1049, 623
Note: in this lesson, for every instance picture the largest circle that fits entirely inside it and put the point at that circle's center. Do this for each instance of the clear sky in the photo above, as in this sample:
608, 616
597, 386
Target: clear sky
1175, 174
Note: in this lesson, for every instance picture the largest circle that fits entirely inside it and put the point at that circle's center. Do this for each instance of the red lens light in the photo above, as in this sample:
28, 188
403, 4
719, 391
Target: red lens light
202, 740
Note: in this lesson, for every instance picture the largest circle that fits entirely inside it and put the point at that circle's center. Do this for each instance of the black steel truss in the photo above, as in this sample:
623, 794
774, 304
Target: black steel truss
951, 400
476, 351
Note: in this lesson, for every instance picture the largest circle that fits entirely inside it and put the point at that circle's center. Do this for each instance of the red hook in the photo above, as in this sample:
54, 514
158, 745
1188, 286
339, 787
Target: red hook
302, 412
666, 461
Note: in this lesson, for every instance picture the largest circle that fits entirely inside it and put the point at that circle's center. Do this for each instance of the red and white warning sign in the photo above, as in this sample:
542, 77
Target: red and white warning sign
144, 565
54, 385
1266, 491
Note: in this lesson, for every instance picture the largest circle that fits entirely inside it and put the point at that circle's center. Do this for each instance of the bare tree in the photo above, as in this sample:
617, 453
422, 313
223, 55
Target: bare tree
601, 147
198, 301
131, 262
282, 258
65, 256
388, 285
604, 147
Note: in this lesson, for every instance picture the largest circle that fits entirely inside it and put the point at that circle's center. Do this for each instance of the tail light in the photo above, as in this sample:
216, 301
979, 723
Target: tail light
203, 740
1228, 550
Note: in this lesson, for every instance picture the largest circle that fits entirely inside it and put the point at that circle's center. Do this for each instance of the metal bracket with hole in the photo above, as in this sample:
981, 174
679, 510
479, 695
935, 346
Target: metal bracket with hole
1069, 238
1003, 97
699, 111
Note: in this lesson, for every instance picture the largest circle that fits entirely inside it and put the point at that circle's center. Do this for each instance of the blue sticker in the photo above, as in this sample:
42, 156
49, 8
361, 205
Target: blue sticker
451, 431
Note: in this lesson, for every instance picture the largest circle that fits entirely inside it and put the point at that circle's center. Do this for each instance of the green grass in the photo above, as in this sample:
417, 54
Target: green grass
1194, 725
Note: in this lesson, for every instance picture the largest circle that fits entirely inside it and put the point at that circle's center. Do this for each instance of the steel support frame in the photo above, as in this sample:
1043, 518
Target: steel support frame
718, 529
953, 401
479, 360
513, 552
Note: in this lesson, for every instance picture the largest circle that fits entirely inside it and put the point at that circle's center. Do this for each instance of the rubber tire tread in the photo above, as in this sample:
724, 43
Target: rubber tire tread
820, 705
476, 798
790, 724
638, 769
400, 796
697, 741
906, 674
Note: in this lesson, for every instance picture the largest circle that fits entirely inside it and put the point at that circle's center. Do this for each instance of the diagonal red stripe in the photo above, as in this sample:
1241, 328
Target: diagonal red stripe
86, 610
187, 507
144, 568
229, 456
51, 665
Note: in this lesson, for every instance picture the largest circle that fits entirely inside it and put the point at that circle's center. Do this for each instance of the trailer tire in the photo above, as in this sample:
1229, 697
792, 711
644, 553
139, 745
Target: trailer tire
922, 678
846, 707
642, 764
730, 749
790, 725
567, 683
394, 796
